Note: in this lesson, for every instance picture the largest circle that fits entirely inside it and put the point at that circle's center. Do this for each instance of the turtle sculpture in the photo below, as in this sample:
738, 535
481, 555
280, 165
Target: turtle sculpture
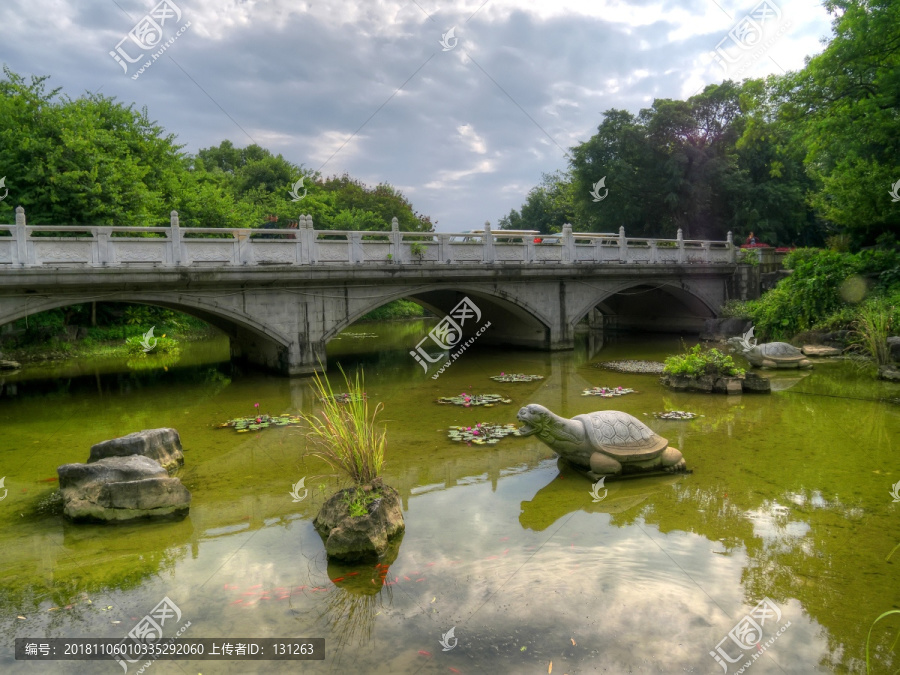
607, 442
769, 354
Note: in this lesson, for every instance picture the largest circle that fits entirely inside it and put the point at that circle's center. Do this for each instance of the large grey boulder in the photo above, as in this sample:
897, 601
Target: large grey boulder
121, 488
894, 346
163, 445
366, 537
889, 373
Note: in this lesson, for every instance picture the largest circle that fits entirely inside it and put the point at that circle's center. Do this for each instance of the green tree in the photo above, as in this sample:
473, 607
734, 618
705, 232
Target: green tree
844, 105
83, 161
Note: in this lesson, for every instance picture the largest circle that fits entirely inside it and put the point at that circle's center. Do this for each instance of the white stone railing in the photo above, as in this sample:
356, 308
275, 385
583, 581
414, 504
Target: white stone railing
110, 246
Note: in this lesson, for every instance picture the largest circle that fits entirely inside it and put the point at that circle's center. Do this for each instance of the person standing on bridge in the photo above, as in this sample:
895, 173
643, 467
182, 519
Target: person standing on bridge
751, 239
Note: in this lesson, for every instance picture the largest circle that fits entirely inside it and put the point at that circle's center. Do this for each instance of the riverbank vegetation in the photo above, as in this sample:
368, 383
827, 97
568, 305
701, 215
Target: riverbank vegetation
800, 159
99, 329
398, 309
828, 291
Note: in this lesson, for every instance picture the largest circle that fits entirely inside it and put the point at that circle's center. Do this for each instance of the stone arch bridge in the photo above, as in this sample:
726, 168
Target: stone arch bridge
281, 299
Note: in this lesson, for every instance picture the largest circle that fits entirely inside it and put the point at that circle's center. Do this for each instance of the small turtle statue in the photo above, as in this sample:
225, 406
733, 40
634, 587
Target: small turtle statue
769, 354
607, 442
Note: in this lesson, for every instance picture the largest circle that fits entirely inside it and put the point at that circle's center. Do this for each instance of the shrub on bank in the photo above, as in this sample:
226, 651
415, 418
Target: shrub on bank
825, 291
696, 362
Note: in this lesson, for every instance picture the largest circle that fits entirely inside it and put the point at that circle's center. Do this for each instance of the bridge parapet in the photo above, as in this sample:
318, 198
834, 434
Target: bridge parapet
174, 246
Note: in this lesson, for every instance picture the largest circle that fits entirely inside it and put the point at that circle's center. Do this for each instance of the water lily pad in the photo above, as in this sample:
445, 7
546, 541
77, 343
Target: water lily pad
676, 415
243, 424
516, 377
607, 392
482, 433
467, 401
632, 366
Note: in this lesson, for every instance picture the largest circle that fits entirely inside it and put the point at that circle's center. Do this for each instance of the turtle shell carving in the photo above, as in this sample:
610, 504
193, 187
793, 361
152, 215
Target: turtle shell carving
607, 442
780, 350
622, 436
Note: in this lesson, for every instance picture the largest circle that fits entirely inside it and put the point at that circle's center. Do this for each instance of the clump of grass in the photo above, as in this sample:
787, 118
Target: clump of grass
345, 434
880, 617
871, 330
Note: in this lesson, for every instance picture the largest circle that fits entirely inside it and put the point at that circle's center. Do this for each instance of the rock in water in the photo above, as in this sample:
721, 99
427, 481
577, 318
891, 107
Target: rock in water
163, 445
121, 488
352, 538
820, 350
9, 365
894, 347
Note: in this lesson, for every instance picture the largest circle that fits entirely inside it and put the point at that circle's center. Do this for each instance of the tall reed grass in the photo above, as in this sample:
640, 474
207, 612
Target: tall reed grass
871, 331
345, 434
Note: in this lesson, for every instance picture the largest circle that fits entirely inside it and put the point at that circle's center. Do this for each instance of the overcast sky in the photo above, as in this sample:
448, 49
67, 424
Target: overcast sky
463, 128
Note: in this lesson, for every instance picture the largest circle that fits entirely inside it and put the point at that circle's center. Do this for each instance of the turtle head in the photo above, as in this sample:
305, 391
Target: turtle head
534, 419
737, 344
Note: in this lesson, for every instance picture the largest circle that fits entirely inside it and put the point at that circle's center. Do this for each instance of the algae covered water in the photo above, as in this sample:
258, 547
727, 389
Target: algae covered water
774, 552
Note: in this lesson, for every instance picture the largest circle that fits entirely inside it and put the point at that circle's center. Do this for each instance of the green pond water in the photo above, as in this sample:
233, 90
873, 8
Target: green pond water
789, 499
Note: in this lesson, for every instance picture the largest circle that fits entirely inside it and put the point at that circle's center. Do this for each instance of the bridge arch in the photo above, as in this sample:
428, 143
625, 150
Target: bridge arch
249, 337
513, 321
667, 306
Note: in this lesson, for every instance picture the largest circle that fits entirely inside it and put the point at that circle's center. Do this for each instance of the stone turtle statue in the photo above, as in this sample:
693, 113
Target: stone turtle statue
607, 442
769, 354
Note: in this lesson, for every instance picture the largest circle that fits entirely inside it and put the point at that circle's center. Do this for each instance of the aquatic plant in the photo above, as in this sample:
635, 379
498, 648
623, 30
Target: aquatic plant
244, 424
632, 366
607, 392
695, 362
676, 415
516, 377
345, 434
346, 397
487, 400
879, 618
358, 501
871, 330
482, 433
